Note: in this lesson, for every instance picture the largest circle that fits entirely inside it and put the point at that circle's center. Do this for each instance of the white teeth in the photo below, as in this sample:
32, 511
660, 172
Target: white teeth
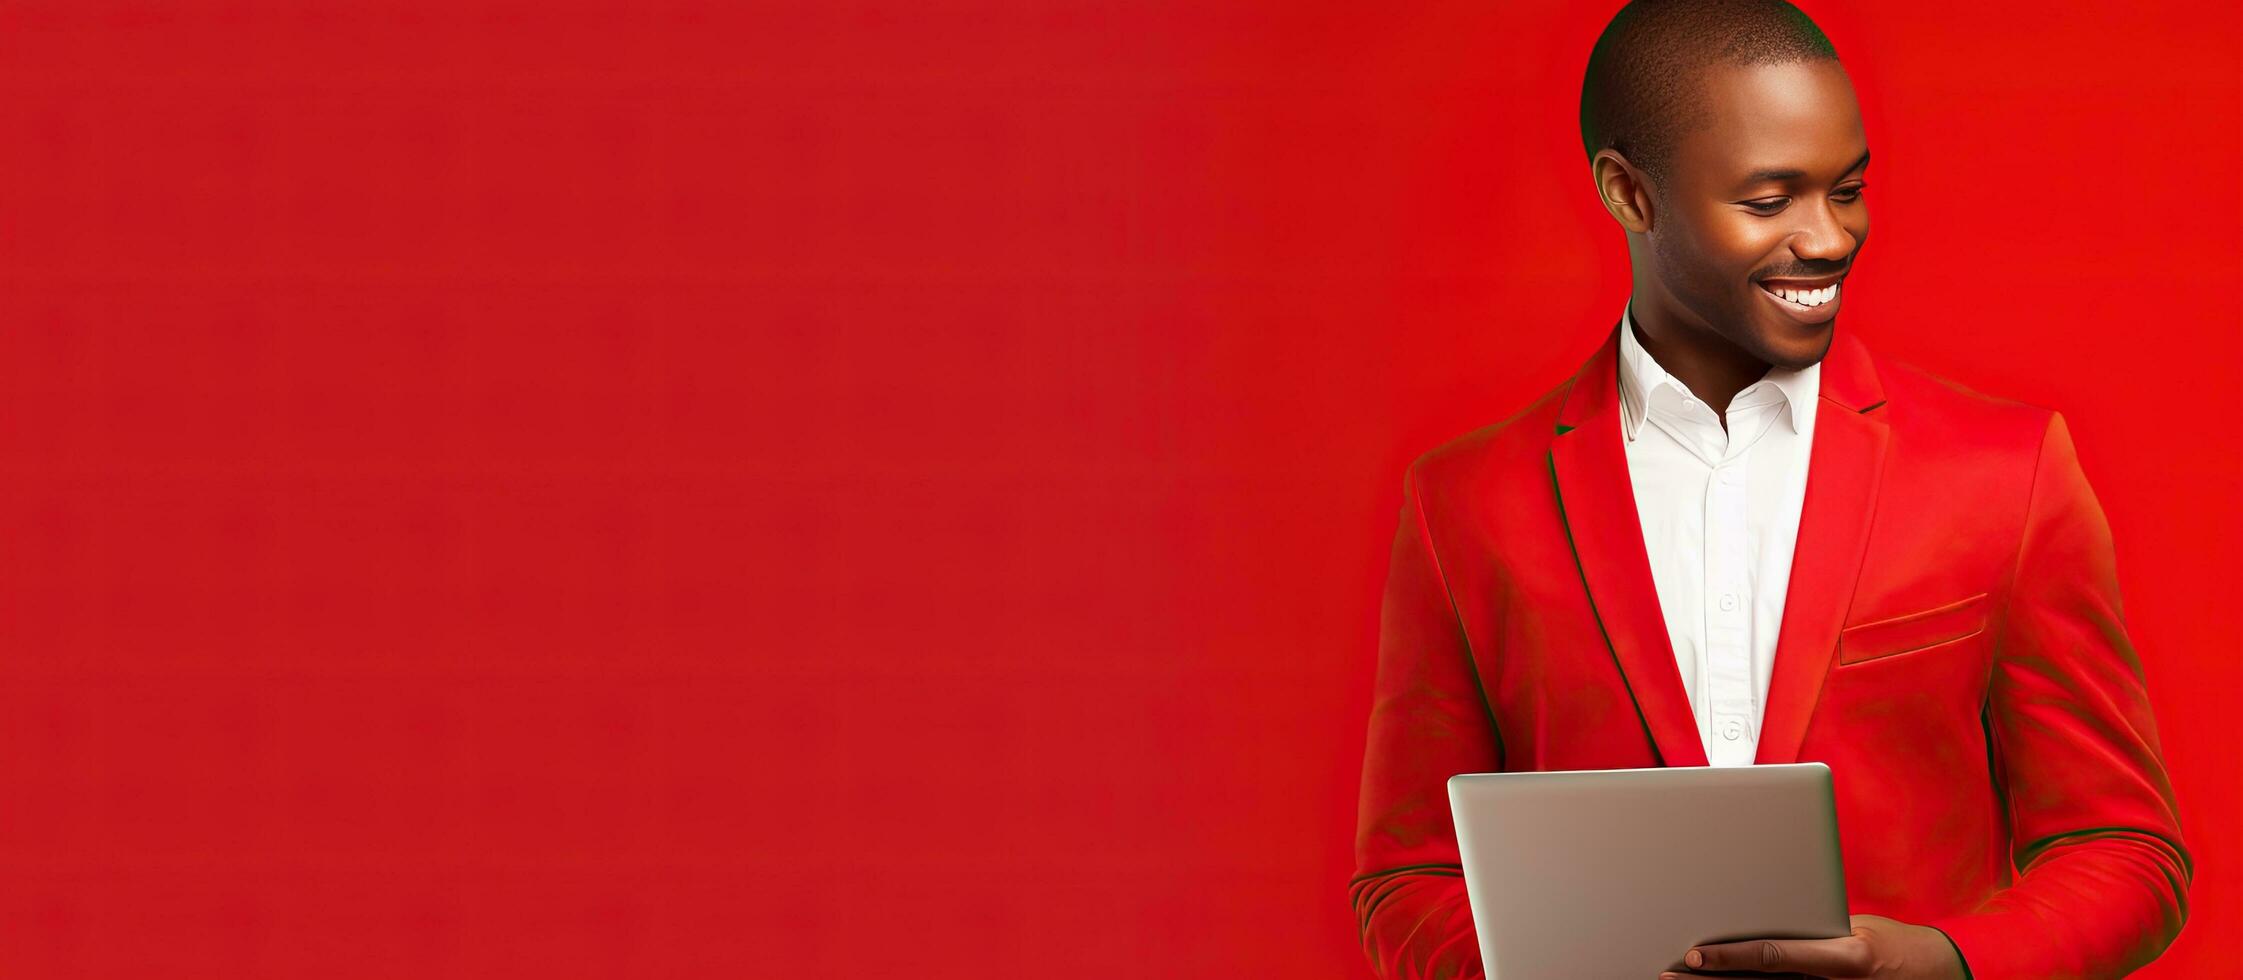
1809, 298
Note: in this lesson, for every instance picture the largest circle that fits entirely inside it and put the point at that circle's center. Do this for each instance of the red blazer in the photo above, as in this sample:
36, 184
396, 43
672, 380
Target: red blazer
1952, 646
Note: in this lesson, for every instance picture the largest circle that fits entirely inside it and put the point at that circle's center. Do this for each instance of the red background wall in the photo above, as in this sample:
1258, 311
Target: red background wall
830, 489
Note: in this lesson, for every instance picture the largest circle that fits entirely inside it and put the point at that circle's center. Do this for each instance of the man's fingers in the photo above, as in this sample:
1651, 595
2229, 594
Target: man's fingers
1847, 957
1765, 955
1739, 976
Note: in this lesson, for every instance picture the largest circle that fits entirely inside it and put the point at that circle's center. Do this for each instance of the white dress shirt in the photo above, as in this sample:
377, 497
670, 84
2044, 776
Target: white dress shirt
1720, 514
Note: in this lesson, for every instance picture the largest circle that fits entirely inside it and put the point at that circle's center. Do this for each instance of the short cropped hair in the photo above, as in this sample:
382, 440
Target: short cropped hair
1640, 93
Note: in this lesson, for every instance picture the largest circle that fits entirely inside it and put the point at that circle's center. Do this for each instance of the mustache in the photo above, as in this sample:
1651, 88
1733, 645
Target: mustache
1806, 272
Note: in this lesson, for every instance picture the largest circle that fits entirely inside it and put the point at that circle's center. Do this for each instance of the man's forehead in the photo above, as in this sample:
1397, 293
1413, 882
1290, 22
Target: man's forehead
1781, 89
1775, 121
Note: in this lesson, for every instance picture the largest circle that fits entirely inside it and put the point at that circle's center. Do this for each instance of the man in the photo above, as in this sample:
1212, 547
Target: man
1735, 536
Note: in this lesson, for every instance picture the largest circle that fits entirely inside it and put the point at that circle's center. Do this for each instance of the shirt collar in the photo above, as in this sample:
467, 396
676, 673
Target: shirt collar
1640, 375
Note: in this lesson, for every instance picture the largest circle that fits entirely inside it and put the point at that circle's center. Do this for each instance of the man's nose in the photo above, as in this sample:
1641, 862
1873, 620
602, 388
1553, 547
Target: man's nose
1821, 236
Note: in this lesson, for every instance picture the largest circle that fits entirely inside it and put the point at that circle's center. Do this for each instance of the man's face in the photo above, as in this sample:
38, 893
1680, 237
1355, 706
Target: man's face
1765, 198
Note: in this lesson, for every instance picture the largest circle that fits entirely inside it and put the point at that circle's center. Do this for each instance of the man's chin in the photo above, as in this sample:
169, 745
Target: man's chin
1776, 340
1795, 346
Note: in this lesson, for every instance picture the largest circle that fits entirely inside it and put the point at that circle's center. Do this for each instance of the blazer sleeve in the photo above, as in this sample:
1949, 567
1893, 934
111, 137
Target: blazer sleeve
1429, 721
2102, 872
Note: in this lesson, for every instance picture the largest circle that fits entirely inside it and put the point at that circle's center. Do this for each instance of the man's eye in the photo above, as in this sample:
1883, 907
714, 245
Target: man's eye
1850, 194
1769, 206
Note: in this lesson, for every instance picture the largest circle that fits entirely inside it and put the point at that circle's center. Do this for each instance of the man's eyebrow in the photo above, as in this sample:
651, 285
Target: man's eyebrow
1794, 173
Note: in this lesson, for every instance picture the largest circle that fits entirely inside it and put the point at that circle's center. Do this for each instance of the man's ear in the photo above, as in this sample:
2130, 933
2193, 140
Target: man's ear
1623, 190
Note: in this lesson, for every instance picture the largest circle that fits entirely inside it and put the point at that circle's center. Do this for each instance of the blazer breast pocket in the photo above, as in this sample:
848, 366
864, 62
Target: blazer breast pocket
1896, 635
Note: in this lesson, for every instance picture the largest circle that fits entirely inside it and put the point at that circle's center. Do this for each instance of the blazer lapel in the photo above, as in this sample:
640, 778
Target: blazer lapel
1845, 468
1596, 500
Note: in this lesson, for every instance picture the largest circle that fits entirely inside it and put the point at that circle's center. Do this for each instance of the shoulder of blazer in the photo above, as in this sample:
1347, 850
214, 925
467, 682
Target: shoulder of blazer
1923, 406
1520, 440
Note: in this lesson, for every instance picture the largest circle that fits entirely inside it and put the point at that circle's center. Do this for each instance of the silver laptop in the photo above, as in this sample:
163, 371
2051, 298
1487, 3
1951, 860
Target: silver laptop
1617, 873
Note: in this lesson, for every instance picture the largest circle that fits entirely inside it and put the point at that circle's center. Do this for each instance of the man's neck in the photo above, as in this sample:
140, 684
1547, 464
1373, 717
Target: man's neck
1705, 362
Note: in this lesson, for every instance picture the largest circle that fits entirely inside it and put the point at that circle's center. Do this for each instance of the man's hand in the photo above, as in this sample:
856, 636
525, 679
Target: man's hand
1879, 949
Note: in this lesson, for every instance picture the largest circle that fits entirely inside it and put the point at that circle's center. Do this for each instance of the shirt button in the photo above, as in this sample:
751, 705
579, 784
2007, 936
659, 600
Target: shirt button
1728, 601
1733, 731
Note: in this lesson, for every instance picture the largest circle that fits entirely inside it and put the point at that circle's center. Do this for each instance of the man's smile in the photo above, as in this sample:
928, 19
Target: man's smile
1804, 300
